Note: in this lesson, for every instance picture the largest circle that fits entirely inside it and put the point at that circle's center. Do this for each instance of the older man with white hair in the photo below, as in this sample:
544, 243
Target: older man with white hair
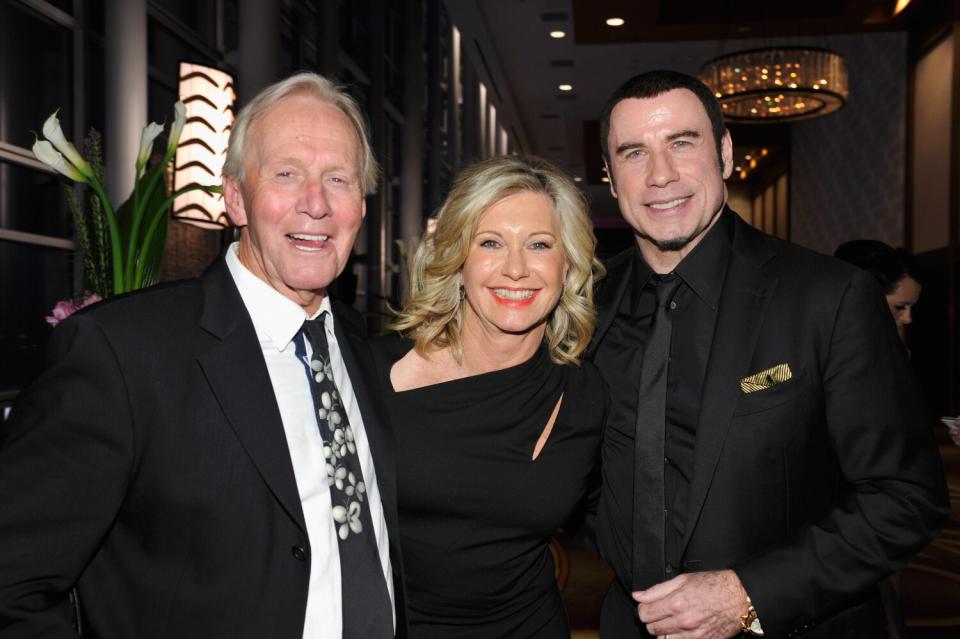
208, 458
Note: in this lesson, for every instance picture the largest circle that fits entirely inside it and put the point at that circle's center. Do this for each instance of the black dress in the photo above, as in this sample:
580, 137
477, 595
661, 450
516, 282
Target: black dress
476, 512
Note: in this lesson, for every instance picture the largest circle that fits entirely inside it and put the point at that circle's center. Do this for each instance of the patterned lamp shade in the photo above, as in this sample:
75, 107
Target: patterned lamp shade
209, 96
781, 84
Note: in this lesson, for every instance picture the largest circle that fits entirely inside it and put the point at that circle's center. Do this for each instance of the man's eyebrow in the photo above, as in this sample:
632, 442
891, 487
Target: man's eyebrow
629, 146
686, 133
677, 135
286, 159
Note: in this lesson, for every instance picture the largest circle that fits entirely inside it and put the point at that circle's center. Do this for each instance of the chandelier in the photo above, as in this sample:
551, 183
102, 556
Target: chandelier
781, 84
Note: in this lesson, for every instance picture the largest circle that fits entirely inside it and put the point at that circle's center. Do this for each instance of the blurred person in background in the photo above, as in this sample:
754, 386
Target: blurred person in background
895, 271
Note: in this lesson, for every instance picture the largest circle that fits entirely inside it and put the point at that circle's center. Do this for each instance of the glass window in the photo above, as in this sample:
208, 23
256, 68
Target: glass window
309, 22
355, 31
33, 279
231, 25
300, 36
93, 16
94, 86
32, 201
64, 5
34, 69
392, 169
288, 49
393, 55
166, 50
160, 100
199, 15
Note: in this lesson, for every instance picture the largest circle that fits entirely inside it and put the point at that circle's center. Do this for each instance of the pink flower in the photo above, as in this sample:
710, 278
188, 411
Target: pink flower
66, 308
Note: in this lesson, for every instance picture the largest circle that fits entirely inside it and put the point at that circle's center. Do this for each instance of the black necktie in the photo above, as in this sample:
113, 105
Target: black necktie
366, 600
649, 516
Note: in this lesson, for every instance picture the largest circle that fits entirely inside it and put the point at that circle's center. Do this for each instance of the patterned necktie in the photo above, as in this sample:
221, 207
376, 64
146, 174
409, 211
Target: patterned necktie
367, 612
649, 516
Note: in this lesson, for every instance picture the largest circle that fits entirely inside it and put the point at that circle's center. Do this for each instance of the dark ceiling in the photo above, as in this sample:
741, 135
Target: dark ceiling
666, 20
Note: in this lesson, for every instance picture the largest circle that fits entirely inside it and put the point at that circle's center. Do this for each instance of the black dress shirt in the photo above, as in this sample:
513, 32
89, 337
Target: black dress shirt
693, 316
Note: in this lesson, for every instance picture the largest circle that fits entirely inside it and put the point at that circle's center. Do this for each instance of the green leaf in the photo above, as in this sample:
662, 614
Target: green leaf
151, 254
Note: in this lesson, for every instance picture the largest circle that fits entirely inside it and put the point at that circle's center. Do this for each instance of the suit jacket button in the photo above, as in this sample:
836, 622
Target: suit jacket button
299, 553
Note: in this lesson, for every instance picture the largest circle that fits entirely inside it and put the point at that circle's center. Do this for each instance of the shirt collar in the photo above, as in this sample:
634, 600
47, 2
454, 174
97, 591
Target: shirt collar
703, 270
641, 276
274, 315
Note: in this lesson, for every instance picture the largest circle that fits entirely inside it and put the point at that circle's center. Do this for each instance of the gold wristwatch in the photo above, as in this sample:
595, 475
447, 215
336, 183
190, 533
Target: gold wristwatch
749, 622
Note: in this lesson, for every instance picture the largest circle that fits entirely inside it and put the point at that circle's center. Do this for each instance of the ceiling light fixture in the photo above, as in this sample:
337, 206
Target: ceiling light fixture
781, 84
615, 22
565, 87
558, 34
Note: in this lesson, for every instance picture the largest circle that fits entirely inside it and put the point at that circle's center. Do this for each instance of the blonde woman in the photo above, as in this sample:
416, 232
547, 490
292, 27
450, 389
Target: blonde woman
497, 420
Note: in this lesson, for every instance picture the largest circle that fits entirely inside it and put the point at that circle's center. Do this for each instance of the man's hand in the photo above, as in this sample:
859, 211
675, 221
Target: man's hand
697, 605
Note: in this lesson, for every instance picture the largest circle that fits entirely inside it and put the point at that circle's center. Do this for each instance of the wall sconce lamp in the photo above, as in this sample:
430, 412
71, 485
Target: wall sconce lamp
209, 96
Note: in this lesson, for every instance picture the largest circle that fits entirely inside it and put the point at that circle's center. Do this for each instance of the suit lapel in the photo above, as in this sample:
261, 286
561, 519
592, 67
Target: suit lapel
746, 291
238, 377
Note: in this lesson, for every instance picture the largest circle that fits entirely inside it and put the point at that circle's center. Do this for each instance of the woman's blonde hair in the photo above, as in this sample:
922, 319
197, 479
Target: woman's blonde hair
433, 314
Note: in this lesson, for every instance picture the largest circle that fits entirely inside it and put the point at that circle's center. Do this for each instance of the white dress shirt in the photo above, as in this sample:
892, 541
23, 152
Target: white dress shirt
277, 321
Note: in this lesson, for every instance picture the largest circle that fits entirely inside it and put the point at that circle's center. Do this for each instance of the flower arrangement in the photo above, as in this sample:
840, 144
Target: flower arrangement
122, 247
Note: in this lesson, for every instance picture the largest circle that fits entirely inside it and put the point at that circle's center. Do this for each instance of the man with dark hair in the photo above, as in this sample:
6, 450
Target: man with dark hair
650, 85
760, 473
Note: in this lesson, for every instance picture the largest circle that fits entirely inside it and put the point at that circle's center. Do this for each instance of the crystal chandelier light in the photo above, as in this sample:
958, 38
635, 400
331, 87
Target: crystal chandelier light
781, 84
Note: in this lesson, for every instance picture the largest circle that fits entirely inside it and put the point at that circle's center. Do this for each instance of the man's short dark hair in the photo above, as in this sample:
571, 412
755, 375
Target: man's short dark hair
887, 264
654, 83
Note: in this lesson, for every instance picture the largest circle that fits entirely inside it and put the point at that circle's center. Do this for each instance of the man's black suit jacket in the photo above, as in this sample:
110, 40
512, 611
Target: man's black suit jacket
149, 468
814, 489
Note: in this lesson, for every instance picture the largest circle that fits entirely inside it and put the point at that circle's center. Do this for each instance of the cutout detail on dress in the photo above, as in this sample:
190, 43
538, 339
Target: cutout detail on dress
542, 440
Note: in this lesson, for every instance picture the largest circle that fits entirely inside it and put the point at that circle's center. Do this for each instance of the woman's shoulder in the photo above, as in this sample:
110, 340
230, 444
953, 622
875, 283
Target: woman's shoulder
584, 398
585, 382
586, 372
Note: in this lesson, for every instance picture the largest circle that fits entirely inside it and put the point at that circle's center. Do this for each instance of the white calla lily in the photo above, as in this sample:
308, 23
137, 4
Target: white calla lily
45, 152
147, 136
132, 258
179, 119
53, 133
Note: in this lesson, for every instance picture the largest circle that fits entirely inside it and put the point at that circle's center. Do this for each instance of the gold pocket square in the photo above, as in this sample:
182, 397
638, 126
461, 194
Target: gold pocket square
765, 379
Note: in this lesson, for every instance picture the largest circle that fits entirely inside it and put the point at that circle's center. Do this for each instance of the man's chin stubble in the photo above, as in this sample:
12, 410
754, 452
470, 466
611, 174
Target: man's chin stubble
667, 246
678, 243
